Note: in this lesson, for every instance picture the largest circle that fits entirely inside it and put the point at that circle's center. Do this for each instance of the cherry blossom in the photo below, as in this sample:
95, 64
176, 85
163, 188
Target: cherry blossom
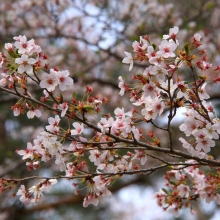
170, 85
144, 43
3, 82
190, 126
64, 79
166, 48
151, 53
202, 93
33, 112
128, 60
197, 37
8, 46
204, 144
54, 122
78, 128
159, 72
28, 153
122, 142
97, 157
25, 64
140, 155
49, 81
183, 190
150, 89
63, 107
122, 86
1, 59
173, 210
105, 124
23, 193
172, 33
23, 45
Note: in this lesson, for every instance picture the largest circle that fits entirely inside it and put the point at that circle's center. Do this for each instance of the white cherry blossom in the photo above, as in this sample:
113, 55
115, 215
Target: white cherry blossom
78, 129
23, 193
122, 86
167, 48
183, 190
64, 79
49, 81
25, 64
23, 45
128, 60
172, 33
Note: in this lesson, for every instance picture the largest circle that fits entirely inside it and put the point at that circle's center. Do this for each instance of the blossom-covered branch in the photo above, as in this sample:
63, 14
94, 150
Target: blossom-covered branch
95, 151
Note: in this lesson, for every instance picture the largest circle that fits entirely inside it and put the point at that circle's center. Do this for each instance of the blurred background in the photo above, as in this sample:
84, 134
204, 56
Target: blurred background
89, 37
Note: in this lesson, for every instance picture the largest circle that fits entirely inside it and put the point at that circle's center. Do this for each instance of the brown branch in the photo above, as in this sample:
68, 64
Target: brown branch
119, 139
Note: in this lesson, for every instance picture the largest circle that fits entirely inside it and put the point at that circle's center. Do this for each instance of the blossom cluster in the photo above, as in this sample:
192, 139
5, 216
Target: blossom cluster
23, 61
187, 184
101, 150
160, 80
35, 191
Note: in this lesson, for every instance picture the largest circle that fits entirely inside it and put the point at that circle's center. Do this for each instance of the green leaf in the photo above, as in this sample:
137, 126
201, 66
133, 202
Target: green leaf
74, 95
173, 183
88, 107
61, 98
201, 77
154, 46
165, 191
186, 48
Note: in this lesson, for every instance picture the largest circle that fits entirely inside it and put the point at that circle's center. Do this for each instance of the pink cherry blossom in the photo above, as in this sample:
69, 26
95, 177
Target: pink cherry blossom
28, 153
53, 124
108, 168
160, 73
119, 113
24, 195
172, 33
204, 144
97, 157
23, 45
185, 144
105, 124
183, 190
37, 193
136, 45
144, 43
172, 87
152, 55
33, 112
150, 89
140, 155
190, 126
63, 107
173, 210
49, 81
64, 79
202, 93
90, 199
78, 128
1, 59
8, 46
3, 82
167, 48
197, 37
